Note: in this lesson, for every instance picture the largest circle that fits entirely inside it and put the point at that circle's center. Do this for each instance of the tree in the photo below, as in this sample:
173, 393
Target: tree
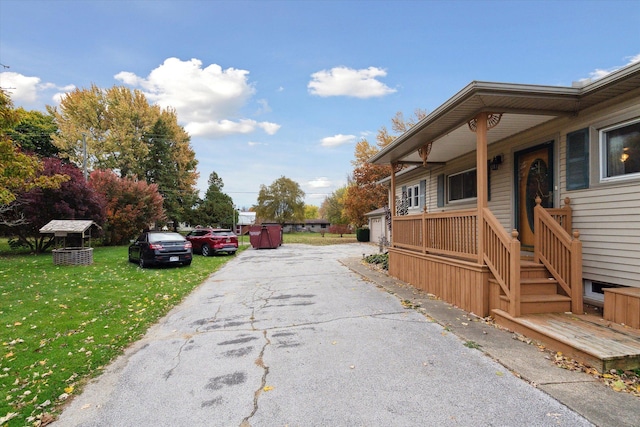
171, 164
33, 133
311, 212
364, 193
73, 199
19, 172
217, 207
131, 206
282, 202
126, 134
332, 207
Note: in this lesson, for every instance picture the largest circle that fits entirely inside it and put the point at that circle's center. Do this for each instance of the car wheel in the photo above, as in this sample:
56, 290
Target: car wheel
206, 250
187, 263
141, 262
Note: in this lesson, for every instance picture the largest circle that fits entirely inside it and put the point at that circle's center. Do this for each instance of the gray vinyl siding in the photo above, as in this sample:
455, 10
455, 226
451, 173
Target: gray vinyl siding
606, 214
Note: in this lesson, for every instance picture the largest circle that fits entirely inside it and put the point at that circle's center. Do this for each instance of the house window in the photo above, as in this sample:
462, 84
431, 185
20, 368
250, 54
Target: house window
620, 148
462, 185
413, 196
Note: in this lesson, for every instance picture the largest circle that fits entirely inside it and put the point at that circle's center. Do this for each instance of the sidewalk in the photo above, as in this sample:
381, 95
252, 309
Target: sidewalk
577, 390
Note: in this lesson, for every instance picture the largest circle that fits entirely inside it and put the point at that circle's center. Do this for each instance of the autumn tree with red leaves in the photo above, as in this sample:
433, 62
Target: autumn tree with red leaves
363, 193
131, 205
74, 199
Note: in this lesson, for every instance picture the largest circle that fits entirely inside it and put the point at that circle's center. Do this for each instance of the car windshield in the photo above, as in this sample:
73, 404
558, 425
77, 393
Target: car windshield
165, 237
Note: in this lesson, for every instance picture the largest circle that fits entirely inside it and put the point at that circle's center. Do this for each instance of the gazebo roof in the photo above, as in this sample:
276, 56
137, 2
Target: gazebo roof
65, 226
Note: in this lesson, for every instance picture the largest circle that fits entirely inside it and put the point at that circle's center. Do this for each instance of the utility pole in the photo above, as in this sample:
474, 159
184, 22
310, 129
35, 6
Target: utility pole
84, 161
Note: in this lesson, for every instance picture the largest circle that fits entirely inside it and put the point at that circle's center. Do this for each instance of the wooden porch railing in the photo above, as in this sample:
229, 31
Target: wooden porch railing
563, 215
502, 256
453, 233
560, 253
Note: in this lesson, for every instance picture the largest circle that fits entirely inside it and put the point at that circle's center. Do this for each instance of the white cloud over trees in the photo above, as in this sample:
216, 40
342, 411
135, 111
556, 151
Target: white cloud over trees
337, 140
208, 100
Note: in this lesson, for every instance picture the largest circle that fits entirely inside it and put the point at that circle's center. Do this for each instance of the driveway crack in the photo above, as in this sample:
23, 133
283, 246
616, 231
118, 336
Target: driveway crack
260, 363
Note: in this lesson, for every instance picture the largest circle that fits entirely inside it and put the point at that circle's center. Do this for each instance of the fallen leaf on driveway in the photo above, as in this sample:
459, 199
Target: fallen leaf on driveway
267, 388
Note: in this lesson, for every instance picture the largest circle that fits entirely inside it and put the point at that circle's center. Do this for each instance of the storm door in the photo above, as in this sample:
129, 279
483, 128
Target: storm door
534, 177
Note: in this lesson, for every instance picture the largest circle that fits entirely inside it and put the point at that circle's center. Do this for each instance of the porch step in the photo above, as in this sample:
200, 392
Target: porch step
541, 303
538, 286
530, 270
586, 338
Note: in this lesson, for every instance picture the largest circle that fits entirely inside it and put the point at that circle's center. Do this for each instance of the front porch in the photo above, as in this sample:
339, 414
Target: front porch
539, 296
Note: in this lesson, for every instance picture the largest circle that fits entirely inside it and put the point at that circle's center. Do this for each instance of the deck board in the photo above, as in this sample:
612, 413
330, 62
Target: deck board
598, 339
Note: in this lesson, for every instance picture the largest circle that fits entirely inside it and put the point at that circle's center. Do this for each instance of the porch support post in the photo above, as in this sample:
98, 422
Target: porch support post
392, 196
481, 178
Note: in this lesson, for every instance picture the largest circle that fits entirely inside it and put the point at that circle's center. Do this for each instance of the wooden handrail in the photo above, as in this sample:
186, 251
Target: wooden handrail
501, 253
560, 253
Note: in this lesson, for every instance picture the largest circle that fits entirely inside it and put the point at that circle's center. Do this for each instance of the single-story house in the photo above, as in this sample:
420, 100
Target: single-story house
317, 225
514, 199
313, 225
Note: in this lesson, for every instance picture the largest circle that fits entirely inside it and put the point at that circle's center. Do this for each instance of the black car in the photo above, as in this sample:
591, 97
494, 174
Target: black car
160, 247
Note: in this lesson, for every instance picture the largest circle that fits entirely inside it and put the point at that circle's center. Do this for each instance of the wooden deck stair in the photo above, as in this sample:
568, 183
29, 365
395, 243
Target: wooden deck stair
539, 292
545, 316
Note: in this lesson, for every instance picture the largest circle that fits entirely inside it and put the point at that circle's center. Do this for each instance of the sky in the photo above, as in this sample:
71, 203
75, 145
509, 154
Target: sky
287, 88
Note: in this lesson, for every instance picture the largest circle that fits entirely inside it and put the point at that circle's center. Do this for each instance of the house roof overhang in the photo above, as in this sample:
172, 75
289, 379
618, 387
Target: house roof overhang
522, 107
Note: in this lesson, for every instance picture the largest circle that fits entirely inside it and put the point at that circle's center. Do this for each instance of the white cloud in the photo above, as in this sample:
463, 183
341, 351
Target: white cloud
343, 81
25, 91
600, 73
337, 140
22, 89
208, 100
229, 127
255, 144
263, 106
269, 128
321, 182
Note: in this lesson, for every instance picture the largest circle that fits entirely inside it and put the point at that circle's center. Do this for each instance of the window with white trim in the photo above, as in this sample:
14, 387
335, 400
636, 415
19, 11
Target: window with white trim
462, 185
413, 196
620, 151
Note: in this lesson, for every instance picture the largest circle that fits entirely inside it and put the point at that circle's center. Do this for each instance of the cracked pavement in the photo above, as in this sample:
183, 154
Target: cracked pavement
292, 337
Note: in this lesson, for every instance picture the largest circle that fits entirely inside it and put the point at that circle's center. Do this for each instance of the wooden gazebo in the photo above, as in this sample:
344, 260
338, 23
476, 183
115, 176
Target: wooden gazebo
77, 233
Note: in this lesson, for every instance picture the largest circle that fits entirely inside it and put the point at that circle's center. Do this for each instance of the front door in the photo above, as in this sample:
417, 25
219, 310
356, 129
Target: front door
534, 176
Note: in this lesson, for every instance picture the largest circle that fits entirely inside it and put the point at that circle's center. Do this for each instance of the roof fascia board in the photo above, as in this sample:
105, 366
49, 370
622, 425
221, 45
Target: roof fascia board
478, 88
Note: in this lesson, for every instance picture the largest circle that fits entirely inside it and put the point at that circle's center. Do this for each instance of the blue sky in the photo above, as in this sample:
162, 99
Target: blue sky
286, 88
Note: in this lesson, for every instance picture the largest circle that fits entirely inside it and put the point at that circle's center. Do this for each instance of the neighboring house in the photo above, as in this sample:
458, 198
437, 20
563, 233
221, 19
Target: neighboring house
317, 225
378, 226
466, 225
313, 225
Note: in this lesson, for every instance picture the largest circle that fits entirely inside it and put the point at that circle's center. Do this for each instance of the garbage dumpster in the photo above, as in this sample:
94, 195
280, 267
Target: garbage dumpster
265, 236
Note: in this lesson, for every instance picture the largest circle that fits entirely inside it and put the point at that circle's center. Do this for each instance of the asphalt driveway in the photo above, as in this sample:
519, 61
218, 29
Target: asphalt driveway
292, 337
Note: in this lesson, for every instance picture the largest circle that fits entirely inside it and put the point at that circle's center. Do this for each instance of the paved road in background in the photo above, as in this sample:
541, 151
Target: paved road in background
291, 337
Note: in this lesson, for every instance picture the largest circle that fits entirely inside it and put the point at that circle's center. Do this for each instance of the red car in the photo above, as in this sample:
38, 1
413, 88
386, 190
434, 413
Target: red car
210, 241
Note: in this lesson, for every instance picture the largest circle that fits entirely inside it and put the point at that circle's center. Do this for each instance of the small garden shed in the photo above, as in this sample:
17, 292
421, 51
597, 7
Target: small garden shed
73, 241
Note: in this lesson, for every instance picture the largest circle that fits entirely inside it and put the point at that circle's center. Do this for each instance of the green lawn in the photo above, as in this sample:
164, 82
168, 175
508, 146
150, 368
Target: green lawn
318, 239
60, 325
